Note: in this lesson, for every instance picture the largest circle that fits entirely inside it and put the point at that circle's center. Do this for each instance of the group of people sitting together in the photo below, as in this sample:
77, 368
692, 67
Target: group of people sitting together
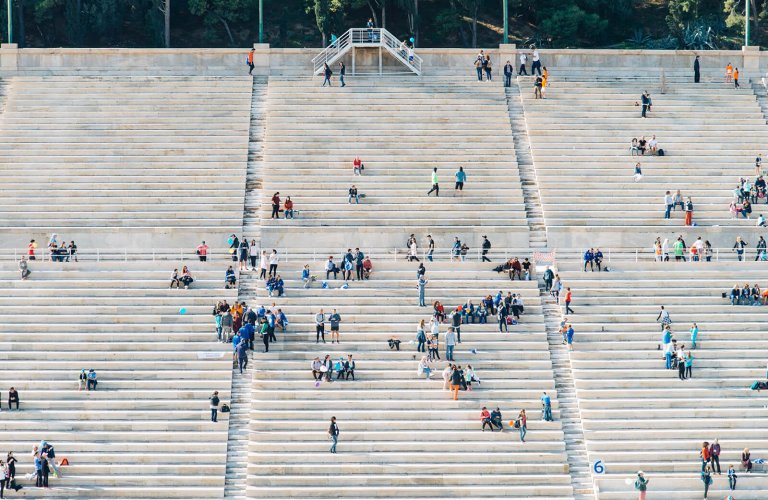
745, 194
184, 279
324, 370
522, 270
350, 261
594, 259
64, 252
640, 146
747, 296
87, 380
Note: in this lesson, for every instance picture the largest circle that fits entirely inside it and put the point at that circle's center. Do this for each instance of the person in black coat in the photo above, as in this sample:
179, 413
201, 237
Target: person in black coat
696, 70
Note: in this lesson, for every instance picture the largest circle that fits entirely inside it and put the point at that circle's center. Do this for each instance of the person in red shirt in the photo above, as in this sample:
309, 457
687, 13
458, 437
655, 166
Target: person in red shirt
288, 205
202, 251
568, 297
276, 205
485, 418
357, 166
31, 249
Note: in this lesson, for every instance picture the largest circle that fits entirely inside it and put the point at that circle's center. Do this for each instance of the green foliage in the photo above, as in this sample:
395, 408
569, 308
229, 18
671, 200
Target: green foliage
566, 25
218, 15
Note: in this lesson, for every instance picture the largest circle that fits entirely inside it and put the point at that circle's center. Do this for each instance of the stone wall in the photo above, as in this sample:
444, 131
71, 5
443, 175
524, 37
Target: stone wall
277, 61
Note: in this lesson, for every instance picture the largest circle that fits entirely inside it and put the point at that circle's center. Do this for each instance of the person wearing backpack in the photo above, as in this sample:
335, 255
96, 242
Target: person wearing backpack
214, 399
641, 485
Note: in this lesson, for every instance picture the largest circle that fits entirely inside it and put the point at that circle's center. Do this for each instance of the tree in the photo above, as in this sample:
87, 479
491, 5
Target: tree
165, 7
224, 12
472, 6
411, 8
323, 18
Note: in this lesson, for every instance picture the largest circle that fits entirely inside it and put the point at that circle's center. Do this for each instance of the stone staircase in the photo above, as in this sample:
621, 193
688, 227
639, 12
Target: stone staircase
255, 168
580, 136
401, 127
761, 95
136, 162
235, 482
403, 436
570, 414
636, 414
146, 431
533, 210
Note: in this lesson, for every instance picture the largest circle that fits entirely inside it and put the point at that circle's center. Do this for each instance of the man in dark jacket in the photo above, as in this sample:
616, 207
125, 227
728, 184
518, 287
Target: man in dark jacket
696, 70
486, 249
508, 74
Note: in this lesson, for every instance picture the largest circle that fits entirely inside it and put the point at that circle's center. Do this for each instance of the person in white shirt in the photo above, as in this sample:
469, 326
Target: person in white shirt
668, 204
273, 260
523, 61
447, 376
653, 145
263, 265
760, 221
536, 65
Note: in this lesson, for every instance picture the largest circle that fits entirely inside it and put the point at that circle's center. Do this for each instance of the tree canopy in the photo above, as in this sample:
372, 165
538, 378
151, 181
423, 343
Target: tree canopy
663, 24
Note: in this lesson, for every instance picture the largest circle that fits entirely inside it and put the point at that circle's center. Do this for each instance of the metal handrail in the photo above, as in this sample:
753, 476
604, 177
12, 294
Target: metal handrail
364, 37
497, 255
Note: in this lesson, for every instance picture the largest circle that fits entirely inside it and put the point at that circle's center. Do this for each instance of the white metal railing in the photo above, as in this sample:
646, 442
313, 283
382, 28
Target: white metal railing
366, 37
497, 256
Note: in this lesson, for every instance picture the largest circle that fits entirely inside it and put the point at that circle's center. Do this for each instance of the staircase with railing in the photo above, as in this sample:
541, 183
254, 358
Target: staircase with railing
368, 38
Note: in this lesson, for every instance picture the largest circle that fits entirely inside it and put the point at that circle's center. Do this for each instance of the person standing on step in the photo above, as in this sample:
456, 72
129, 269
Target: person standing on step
645, 100
421, 337
435, 184
276, 205
523, 62
738, 247
569, 336
342, 72
694, 335
370, 25
522, 424
568, 297
546, 405
641, 485
327, 73
320, 326
214, 399
502, 314
488, 67
253, 254
549, 275
243, 252
706, 478
421, 283
263, 265
450, 344
335, 319
732, 478
333, 432
736, 77
688, 211
479, 66
430, 247
242, 353
456, 323
460, 177
536, 64
202, 252
696, 70
486, 249
714, 456
250, 61
274, 260
508, 70
359, 259
689, 365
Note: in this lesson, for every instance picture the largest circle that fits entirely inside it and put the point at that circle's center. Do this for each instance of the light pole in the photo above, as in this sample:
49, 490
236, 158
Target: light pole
261, 21
10, 23
505, 8
746, 23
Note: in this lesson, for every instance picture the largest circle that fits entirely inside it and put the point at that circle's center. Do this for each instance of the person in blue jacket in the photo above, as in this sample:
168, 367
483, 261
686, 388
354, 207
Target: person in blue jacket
589, 260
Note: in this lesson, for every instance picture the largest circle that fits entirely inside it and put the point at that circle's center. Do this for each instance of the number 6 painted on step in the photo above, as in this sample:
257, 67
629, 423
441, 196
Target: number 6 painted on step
598, 467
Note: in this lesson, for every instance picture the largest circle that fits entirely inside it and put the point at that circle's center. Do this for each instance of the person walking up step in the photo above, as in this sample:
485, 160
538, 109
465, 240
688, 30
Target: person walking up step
333, 432
435, 185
